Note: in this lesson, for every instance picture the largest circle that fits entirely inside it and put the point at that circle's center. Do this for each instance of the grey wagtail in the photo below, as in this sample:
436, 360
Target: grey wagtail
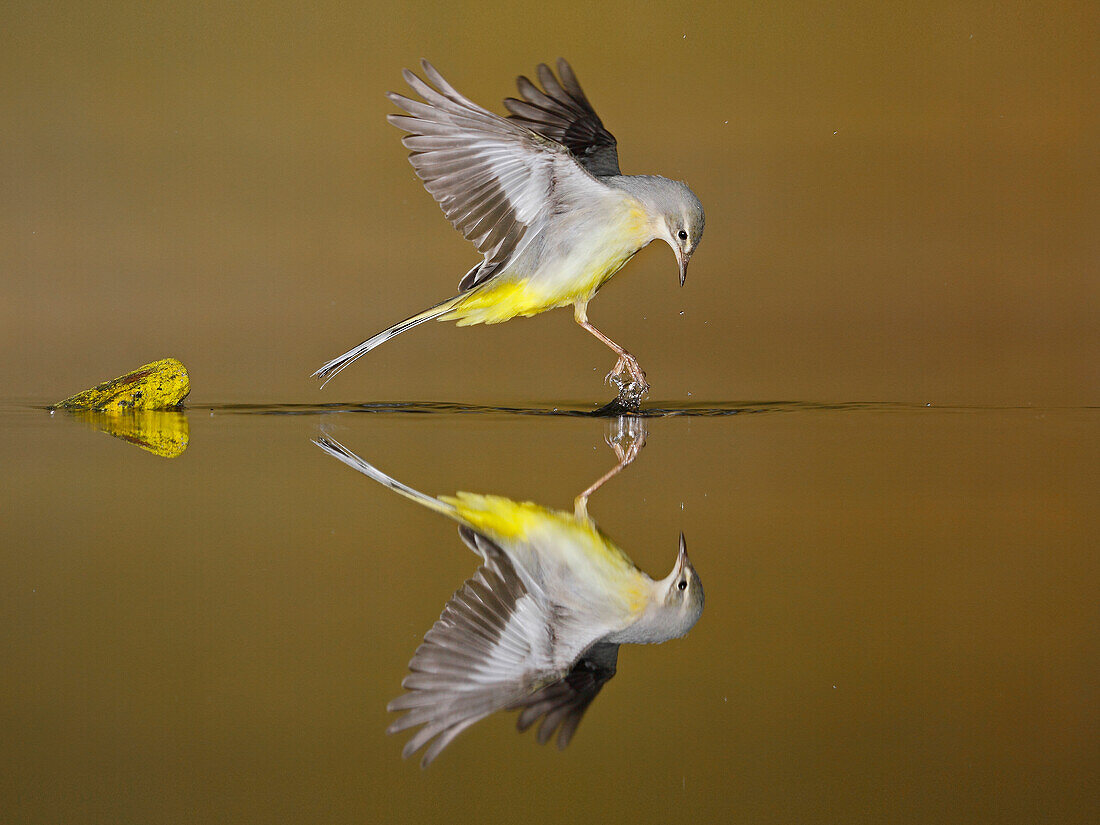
538, 627
541, 196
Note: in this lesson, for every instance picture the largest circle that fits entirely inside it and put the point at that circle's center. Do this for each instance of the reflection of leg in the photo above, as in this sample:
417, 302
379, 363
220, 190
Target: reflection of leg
625, 368
627, 439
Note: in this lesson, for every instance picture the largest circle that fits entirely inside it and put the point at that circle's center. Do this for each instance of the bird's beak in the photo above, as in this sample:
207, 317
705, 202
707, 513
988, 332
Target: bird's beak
682, 259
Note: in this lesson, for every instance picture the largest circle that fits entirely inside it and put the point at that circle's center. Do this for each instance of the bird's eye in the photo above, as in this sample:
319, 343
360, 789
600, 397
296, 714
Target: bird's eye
683, 585
682, 235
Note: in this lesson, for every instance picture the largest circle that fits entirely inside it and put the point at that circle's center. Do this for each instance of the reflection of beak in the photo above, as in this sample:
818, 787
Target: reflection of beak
682, 259
682, 558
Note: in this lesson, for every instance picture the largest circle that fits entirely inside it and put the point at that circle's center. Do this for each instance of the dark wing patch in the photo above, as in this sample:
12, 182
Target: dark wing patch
561, 112
561, 704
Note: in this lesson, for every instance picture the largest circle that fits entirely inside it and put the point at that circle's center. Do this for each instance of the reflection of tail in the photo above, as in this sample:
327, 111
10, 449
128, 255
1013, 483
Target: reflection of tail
336, 364
337, 450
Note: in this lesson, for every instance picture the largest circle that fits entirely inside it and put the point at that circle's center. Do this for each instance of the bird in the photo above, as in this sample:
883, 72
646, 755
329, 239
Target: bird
541, 196
538, 627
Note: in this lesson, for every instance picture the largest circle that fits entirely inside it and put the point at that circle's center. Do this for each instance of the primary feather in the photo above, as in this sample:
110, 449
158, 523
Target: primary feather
561, 112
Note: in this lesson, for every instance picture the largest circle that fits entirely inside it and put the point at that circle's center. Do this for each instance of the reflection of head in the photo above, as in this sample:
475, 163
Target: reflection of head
684, 597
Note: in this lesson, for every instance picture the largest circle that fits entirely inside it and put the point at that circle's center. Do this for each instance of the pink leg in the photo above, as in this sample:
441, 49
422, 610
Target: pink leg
626, 366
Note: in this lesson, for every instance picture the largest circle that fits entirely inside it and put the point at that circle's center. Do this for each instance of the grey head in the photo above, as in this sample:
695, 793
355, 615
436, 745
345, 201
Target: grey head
675, 211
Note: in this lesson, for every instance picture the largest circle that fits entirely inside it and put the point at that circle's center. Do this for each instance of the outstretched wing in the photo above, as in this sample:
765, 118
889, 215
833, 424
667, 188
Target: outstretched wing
494, 647
561, 112
497, 181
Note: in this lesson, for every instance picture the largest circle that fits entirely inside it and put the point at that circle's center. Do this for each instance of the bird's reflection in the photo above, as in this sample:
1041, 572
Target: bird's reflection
538, 627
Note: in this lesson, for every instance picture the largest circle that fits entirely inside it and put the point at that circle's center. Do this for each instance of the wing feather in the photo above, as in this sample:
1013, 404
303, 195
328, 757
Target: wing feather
497, 181
560, 111
494, 647
561, 704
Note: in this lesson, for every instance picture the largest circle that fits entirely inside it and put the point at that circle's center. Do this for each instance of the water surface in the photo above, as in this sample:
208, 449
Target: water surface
899, 626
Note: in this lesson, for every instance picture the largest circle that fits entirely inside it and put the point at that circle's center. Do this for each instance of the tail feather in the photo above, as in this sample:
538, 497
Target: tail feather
329, 370
337, 450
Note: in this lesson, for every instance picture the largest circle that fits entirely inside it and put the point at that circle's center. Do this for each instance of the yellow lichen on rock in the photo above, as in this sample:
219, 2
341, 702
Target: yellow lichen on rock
162, 432
161, 385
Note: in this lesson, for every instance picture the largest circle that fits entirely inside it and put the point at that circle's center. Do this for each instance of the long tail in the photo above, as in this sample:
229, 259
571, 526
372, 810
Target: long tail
334, 366
337, 450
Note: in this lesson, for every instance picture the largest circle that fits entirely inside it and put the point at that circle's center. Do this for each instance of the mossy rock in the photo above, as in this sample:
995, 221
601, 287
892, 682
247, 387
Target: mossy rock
161, 385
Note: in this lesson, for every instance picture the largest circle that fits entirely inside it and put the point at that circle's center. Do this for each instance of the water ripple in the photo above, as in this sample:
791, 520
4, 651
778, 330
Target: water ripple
612, 410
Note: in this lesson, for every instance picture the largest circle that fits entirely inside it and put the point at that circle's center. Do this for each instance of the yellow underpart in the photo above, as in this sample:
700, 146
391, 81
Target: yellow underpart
506, 521
498, 302
638, 222
499, 517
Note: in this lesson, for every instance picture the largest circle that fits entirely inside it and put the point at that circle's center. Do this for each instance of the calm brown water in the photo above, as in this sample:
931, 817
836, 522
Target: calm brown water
903, 208
900, 622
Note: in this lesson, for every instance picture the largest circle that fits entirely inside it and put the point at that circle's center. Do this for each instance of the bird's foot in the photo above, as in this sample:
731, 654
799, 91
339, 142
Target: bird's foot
629, 380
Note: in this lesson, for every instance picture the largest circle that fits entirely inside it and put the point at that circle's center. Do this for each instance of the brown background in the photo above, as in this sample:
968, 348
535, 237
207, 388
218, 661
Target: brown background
902, 199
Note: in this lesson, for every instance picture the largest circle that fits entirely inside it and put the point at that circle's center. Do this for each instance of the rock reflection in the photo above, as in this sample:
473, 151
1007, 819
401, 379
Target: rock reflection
538, 627
162, 432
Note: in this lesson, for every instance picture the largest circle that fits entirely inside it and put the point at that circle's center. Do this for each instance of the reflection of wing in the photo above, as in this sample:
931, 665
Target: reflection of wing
563, 114
492, 648
493, 178
564, 702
